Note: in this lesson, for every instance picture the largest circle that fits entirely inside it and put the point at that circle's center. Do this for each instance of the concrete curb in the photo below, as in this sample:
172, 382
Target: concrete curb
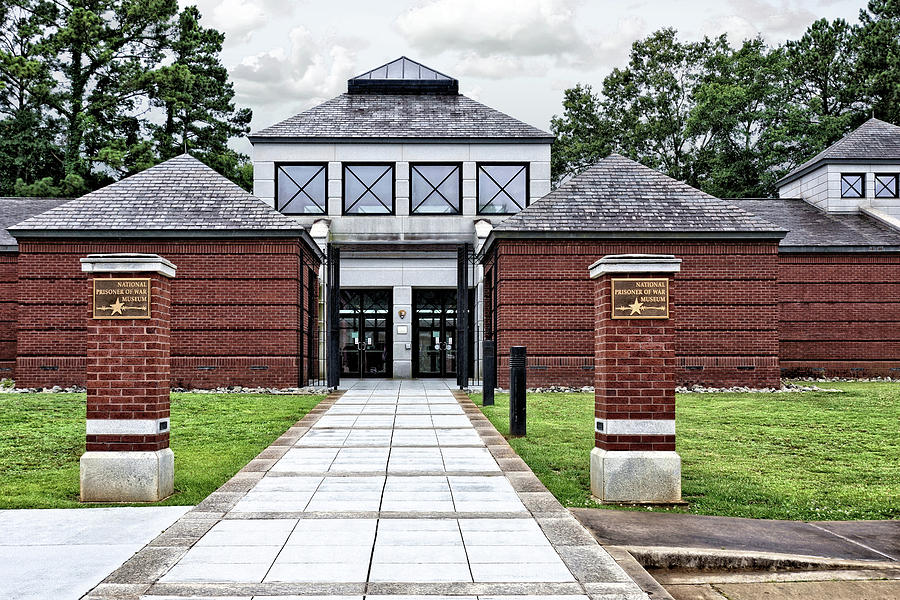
662, 557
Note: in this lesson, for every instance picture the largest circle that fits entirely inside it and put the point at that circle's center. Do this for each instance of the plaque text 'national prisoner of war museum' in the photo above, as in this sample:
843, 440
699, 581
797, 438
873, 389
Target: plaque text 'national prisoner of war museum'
121, 298
640, 298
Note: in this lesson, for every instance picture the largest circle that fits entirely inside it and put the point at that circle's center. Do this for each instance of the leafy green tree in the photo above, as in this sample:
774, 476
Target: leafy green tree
27, 148
198, 100
878, 40
582, 136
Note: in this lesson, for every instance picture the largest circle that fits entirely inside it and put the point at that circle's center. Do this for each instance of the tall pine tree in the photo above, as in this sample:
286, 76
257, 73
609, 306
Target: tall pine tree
198, 100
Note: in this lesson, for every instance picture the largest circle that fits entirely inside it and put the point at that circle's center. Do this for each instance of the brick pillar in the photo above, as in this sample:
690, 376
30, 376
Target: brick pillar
634, 458
128, 458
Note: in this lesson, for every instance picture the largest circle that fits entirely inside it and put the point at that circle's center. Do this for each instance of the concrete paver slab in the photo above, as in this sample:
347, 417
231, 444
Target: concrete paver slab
64, 553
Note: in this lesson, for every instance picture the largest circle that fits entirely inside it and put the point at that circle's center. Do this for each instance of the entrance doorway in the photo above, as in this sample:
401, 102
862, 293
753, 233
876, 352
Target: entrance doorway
434, 333
365, 333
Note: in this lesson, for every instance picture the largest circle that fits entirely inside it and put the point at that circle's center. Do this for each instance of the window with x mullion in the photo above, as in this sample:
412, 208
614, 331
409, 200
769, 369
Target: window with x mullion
436, 189
853, 185
369, 189
301, 189
886, 185
502, 188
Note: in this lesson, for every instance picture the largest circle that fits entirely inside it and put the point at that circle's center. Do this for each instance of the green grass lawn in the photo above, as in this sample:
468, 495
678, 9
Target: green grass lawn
810, 456
213, 436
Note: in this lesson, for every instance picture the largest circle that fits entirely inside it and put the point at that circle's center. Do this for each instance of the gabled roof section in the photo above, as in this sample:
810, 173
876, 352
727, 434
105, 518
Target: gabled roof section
15, 210
875, 141
177, 197
620, 198
402, 118
403, 76
813, 230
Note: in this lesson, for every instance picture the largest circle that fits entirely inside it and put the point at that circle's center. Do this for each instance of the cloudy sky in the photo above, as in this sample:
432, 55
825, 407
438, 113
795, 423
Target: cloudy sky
514, 55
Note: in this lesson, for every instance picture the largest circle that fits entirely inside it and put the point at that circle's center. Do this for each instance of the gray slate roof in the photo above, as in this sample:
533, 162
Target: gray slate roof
14, 210
810, 228
180, 194
875, 140
401, 117
617, 196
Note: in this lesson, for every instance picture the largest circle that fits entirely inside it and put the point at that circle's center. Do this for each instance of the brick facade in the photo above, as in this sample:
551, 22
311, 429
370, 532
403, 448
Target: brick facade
8, 262
840, 314
236, 315
726, 328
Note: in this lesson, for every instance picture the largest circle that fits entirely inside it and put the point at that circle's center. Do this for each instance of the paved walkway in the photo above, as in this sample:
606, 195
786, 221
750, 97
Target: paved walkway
63, 553
394, 488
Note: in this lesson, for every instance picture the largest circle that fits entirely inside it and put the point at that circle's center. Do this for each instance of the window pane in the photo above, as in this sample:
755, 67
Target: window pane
502, 188
885, 186
301, 189
851, 186
435, 189
368, 189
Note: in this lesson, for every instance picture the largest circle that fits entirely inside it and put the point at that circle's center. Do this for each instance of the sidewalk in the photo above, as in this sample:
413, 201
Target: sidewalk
718, 558
63, 553
394, 488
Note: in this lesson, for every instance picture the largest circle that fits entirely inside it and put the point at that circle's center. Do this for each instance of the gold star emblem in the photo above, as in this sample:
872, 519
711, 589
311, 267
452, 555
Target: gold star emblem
636, 307
117, 307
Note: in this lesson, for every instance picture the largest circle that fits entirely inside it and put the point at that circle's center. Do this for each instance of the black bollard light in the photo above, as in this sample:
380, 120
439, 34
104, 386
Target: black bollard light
489, 369
517, 364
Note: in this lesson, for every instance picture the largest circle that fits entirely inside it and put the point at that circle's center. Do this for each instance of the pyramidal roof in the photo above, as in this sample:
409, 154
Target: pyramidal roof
403, 76
178, 195
618, 197
873, 141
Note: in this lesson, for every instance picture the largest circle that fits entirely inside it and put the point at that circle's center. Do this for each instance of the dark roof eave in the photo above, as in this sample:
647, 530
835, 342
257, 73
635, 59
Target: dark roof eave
854, 248
198, 234
794, 175
495, 235
272, 139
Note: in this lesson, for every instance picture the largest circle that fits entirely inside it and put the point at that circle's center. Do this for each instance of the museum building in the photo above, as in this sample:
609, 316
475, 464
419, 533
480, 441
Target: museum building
395, 227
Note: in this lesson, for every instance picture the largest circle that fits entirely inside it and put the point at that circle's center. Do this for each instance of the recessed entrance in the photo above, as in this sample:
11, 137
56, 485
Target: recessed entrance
434, 333
365, 333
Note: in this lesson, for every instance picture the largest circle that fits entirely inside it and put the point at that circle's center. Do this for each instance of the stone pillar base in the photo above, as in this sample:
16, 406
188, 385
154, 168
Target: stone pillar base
636, 476
127, 476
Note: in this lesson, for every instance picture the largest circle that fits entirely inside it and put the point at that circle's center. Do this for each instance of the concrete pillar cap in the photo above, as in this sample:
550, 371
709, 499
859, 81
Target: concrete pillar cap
635, 263
127, 263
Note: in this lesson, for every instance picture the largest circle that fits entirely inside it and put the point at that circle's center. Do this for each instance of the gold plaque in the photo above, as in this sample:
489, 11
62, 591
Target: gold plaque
122, 298
640, 298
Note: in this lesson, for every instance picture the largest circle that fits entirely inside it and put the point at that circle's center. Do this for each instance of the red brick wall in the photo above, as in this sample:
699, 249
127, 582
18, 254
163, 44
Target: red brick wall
726, 322
235, 314
840, 314
7, 314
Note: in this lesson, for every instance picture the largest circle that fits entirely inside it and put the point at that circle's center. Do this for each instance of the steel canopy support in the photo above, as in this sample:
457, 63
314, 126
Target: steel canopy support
462, 315
333, 301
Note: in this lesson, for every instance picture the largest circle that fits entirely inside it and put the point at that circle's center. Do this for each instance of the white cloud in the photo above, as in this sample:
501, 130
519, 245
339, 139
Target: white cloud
775, 21
238, 19
310, 70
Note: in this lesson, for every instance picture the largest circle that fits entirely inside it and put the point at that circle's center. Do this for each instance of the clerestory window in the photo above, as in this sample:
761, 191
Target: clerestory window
886, 185
435, 189
369, 189
502, 188
301, 189
853, 185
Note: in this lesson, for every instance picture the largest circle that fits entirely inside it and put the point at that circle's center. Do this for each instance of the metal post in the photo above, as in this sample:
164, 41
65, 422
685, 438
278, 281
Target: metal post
518, 362
489, 372
462, 315
332, 320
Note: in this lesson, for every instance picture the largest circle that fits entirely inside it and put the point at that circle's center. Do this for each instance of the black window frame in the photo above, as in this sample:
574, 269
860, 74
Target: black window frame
279, 165
894, 176
459, 167
346, 165
478, 165
862, 179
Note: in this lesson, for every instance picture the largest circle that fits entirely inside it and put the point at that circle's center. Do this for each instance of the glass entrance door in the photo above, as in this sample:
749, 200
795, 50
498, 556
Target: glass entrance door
434, 323
365, 333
